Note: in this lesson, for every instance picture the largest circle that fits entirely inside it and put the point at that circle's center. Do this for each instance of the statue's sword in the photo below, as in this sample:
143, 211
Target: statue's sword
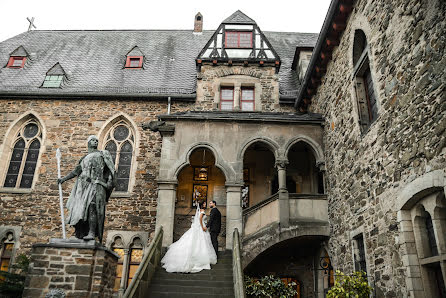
58, 156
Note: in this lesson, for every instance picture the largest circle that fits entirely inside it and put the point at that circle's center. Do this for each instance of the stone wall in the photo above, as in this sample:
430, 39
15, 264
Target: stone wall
78, 270
366, 172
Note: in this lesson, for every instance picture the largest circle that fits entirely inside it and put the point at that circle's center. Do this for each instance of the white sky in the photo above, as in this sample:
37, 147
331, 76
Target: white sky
272, 15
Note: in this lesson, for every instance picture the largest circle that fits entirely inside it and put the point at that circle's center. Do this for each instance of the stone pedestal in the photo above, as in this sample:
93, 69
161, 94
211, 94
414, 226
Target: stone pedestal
79, 268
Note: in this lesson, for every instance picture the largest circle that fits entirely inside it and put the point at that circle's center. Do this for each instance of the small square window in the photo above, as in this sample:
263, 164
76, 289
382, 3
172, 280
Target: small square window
134, 62
16, 62
52, 81
236, 39
227, 98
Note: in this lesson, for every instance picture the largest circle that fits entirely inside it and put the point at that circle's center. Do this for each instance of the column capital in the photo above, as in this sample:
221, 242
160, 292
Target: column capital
281, 163
320, 164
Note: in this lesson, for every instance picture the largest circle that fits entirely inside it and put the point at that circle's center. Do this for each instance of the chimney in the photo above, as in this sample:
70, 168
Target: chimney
198, 23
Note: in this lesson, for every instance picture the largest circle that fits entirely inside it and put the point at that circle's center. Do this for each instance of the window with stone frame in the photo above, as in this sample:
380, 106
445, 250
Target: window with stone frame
247, 99
359, 253
24, 154
118, 247
363, 82
6, 253
429, 222
227, 98
119, 142
136, 254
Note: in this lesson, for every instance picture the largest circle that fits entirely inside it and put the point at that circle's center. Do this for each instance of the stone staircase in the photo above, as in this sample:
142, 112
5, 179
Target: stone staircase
217, 282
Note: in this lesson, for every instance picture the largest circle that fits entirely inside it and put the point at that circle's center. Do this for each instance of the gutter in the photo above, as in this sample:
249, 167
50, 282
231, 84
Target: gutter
316, 52
95, 95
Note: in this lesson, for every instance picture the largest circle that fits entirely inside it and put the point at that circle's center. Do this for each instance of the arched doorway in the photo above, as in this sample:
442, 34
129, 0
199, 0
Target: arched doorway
259, 174
200, 180
303, 176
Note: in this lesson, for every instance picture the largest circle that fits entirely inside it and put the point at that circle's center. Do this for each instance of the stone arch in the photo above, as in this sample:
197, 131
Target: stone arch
316, 148
419, 188
272, 145
102, 135
220, 163
238, 71
257, 243
10, 137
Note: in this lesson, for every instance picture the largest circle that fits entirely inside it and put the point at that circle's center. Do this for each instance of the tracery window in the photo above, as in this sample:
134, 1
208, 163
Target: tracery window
136, 253
6, 253
120, 143
364, 87
24, 156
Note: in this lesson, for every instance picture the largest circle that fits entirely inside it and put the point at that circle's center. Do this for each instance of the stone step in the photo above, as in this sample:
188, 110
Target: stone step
158, 277
193, 289
187, 282
183, 295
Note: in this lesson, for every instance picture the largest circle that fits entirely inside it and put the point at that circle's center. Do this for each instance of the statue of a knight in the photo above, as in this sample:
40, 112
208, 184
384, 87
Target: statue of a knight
95, 182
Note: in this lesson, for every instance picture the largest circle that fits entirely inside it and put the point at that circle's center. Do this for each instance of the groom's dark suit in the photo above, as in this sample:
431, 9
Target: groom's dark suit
214, 226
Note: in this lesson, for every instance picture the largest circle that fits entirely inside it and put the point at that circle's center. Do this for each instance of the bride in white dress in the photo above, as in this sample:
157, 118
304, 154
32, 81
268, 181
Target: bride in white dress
193, 252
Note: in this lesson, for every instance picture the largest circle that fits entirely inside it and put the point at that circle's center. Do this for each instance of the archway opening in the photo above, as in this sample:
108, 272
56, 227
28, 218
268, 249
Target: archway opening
200, 180
303, 176
291, 260
259, 174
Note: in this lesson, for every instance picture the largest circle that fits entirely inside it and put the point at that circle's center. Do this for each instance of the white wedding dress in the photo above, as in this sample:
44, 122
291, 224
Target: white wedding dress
193, 252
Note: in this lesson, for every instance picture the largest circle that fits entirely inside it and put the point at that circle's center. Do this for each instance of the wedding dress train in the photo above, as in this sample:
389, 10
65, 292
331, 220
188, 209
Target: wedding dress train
193, 252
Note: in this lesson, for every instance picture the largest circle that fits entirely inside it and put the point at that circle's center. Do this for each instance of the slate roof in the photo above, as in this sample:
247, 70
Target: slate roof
94, 62
238, 17
307, 118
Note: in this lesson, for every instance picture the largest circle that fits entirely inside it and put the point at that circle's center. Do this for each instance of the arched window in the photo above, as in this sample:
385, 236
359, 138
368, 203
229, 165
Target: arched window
431, 235
136, 253
364, 87
24, 156
118, 247
6, 252
120, 142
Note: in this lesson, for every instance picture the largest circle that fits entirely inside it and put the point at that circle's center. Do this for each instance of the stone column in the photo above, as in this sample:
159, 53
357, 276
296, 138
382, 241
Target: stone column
165, 210
284, 204
124, 274
78, 268
237, 98
414, 282
233, 211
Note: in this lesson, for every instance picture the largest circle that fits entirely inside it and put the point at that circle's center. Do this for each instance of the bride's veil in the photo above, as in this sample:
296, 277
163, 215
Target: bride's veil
196, 221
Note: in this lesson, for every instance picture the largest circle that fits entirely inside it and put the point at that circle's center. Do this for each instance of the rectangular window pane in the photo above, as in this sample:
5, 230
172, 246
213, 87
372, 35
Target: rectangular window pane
52, 81
227, 94
247, 94
134, 62
17, 62
245, 40
232, 39
247, 106
226, 105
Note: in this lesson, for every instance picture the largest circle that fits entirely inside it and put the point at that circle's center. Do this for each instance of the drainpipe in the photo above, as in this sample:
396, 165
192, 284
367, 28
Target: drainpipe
168, 105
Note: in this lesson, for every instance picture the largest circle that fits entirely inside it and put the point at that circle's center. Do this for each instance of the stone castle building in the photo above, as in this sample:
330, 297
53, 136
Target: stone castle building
325, 151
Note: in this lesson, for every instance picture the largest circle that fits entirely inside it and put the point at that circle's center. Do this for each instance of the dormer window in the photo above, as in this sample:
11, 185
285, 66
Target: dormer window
54, 77
53, 81
16, 62
238, 39
134, 62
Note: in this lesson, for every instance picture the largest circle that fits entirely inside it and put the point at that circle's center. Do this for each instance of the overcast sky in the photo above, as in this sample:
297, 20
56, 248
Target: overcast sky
272, 15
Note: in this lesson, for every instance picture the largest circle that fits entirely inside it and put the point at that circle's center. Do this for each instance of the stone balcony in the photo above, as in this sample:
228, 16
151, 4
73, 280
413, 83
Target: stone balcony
281, 217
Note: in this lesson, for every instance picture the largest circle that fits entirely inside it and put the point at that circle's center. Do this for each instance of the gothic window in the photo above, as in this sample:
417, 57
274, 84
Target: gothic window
118, 248
236, 39
227, 98
136, 253
359, 254
6, 252
120, 143
247, 98
364, 87
24, 155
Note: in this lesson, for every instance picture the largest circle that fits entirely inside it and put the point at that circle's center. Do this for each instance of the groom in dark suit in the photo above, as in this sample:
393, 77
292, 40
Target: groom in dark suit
214, 225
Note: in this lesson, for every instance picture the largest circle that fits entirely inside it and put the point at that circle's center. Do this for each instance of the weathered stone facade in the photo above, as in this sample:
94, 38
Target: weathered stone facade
82, 270
366, 172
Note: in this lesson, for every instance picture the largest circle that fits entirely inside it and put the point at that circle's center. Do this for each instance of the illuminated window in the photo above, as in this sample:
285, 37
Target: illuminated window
247, 99
16, 62
235, 39
136, 253
120, 144
134, 62
117, 247
227, 98
6, 253
24, 155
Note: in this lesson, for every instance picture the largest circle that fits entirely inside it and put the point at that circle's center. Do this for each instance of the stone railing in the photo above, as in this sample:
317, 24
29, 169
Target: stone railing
141, 280
239, 284
303, 207
261, 215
